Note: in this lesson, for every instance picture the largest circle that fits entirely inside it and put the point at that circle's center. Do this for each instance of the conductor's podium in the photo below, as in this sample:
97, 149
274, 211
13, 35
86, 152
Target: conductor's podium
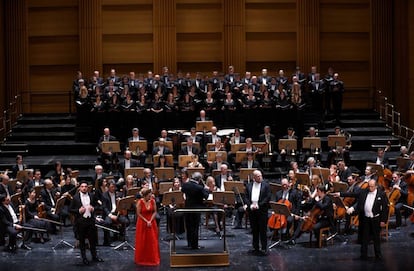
213, 251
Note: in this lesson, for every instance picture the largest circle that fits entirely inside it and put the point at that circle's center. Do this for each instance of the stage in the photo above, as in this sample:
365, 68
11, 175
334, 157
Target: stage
343, 254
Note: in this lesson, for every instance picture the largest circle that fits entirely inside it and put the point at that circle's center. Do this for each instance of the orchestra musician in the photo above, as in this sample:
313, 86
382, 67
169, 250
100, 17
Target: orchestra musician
258, 195
58, 175
189, 149
5, 187
293, 196
211, 187
31, 215
161, 149
224, 176
398, 183
68, 190
343, 171
19, 166
250, 162
83, 207
111, 218
140, 154
194, 162
215, 165
49, 195
321, 215
106, 158
9, 224
381, 158
127, 162
179, 219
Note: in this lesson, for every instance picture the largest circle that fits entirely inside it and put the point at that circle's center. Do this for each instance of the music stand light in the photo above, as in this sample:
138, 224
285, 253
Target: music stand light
279, 209
204, 126
336, 140
125, 204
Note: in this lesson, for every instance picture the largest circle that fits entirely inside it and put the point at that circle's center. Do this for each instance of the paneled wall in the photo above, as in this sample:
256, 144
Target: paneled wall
2, 63
410, 68
57, 38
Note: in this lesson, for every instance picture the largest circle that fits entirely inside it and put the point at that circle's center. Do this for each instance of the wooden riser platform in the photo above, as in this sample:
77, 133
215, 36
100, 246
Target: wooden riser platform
211, 254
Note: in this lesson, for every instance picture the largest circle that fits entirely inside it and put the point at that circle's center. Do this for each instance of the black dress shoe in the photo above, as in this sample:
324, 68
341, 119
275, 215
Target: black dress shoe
97, 259
263, 252
85, 261
26, 247
254, 252
290, 242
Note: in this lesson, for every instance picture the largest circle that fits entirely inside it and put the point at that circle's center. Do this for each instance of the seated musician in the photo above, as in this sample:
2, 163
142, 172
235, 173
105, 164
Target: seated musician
68, 190
313, 151
286, 152
5, 187
322, 213
340, 152
106, 159
218, 146
215, 165
212, 187
398, 184
189, 149
381, 158
194, 162
410, 163
162, 162
224, 176
152, 181
179, 218
290, 197
18, 166
31, 215
369, 174
49, 196
213, 137
58, 174
343, 171
111, 218
127, 162
250, 162
139, 154
129, 184
9, 224
161, 149
353, 187
270, 140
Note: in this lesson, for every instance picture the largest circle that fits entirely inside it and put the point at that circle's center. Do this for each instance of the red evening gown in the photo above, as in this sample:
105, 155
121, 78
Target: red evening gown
147, 250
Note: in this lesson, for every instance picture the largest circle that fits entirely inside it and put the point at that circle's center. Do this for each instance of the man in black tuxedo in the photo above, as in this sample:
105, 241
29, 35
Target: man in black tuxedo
161, 149
189, 149
49, 196
83, 207
106, 159
127, 162
250, 162
19, 166
195, 194
5, 187
372, 208
258, 195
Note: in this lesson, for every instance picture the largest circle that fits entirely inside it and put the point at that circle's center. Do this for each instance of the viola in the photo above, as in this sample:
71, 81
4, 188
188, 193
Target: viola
277, 221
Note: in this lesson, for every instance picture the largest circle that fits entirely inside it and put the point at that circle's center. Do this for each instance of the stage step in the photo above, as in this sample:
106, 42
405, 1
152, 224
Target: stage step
359, 131
16, 136
355, 123
49, 127
46, 118
60, 147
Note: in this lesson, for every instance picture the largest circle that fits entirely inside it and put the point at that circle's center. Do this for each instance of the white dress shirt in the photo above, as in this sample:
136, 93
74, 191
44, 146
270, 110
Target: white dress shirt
255, 194
86, 202
369, 203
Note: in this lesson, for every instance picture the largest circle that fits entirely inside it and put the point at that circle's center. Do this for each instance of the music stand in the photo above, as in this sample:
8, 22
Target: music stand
58, 207
37, 189
340, 186
111, 146
401, 162
224, 198
137, 146
137, 172
133, 191
379, 170
235, 186
164, 173
279, 209
203, 126
164, 187
263, 146
168, 159
22, 175
246, 174
191, 170
288, 144
125, 204
184, 160
14, 199
240, 156
236, 147
274, 187
322, 172
302, 178
168, 144
211, 155
336, 140
311, 143
175, 198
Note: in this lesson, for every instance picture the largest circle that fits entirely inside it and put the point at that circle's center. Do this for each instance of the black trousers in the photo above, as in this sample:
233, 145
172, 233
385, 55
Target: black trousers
86, 229
192, 222
258, 224
370, 229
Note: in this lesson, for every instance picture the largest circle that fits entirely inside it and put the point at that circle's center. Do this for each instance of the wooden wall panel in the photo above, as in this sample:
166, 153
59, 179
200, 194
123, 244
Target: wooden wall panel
52, 51
127, 19
345, 17
122, 69
271, 18
199, 47
53, 21
199, 18
124, 49
271, 47
410, 39
2, 62
51, 3
51, 78
345, 46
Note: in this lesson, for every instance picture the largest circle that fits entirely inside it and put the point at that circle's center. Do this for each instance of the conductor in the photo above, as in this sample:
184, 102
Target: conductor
195, 194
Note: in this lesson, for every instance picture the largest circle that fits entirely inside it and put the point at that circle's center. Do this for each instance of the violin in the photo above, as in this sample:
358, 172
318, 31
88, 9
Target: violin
277, 221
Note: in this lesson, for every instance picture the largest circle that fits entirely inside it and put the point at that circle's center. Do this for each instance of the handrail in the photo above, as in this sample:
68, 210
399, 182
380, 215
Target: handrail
392, 119
10, 116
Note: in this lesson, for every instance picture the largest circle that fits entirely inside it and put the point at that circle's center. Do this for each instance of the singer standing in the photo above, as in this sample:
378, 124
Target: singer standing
83, 207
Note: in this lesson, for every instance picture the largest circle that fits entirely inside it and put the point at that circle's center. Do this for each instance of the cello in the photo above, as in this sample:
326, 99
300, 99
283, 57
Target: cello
277, 221
410, 197
312, 219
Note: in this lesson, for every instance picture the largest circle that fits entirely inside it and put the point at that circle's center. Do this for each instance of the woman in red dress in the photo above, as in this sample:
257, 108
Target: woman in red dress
147, 250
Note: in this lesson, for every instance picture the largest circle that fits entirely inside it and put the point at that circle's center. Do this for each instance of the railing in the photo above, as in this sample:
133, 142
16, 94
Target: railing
10, 116
392, 120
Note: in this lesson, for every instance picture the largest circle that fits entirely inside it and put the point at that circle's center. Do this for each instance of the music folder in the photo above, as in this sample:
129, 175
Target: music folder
137, 172
174, 197
164, 187
168, 158
164, 173
311, 143
237, 147
224, 198
246, 173
340, 186
202, 126
111, 146
336, 141
211, 155
288, 144
323, 173
377, 169
22, 175
137, 146
279, 208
